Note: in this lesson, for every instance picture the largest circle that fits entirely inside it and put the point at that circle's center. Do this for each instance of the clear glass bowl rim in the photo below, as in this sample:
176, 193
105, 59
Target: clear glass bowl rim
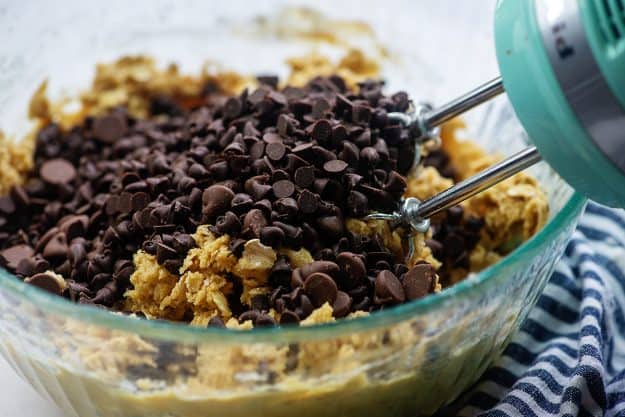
184, 333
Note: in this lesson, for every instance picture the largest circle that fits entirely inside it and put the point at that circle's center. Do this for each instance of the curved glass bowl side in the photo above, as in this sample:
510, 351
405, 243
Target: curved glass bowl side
403, 361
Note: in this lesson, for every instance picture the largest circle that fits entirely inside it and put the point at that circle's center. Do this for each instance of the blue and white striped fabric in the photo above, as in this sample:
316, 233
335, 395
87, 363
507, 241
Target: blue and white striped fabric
569, 357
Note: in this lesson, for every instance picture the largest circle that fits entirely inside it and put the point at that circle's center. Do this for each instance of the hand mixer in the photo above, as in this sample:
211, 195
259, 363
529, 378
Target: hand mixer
563, 69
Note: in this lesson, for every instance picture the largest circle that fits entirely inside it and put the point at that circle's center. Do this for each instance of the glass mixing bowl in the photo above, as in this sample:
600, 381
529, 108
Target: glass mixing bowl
404, 361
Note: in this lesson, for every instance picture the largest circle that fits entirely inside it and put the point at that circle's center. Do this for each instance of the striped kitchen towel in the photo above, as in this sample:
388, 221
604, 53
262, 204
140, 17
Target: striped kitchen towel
569, 357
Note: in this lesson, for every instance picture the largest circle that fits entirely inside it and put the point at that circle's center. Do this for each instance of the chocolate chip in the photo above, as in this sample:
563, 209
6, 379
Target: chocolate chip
454, 215
164, 252
361, 114
254, 222
216, 321
287, 208
342, 305
331, 226
232, 108
264, 320
46, 282
56, 248
272, 236
257, 150
308, 202
388, 289
326, 267
236, 246
321, 131
228, 224
283, 188
419, 281
12, 256
395, 183
304, 176
216, 200
57, 172
275, 151
321, 288
335, 167
352, 266
109, 128
357, 204
6, 205
436, 247
257, 187
289, 317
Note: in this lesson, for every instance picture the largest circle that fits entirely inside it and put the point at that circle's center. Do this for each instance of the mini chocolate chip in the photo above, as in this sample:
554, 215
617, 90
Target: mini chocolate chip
263, 205
321, 288
272, 236
236, 246
241, 203
257, 150
164, 252
287, 208
228, 224
436, 247
57, 171
331, 226
321, 131
388, 289
272, 138
109, 128
454, 215
254, 221
216, 321
249, 315
257, 187
335, 166
283, 188
342, 305
232, 108
454, 245
419, 281
395, 183
352, 265
7, 206
12, 256
46, 282
369, 156
308, 202
264, 320
304, 176
56, 248
326, 267
216, 200
275, 151
361, 114
289, 317
357, 204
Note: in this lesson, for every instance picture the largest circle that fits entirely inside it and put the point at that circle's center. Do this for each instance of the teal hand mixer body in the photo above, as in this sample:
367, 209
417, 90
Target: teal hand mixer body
563, 68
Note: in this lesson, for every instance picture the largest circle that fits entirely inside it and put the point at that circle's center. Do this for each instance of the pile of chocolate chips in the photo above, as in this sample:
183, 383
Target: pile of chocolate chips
284, 166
